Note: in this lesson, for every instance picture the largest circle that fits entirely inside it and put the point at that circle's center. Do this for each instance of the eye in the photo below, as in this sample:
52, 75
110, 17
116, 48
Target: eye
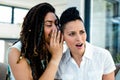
48, 24
82, 32
72, 34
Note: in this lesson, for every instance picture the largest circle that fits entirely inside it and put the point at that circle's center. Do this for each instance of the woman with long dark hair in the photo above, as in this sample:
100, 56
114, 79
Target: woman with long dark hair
38, 52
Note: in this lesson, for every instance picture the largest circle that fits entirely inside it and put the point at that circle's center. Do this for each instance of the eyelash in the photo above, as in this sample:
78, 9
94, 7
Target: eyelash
72, 34
49, 25
81, 32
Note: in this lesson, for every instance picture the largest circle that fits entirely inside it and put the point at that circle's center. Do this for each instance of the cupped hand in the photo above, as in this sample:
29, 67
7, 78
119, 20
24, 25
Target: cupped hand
56, 44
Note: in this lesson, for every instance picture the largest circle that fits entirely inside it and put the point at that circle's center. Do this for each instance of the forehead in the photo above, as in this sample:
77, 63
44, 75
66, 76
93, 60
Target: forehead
50, 17
74, 25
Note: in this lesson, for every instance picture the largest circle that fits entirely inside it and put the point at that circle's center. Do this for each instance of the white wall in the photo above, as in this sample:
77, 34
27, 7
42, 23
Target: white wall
77, 3
29, 3
9, 30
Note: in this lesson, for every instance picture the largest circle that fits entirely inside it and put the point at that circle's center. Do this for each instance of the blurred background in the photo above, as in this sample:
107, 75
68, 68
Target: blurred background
101, 18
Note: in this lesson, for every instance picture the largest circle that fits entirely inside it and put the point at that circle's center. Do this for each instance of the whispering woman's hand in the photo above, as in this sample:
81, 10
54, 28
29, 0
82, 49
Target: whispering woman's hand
56, 44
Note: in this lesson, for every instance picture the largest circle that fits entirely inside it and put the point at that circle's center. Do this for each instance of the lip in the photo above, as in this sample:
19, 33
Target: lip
79, 45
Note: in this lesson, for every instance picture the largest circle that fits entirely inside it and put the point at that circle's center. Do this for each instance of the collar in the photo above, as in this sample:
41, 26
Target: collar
88, 51
66, 56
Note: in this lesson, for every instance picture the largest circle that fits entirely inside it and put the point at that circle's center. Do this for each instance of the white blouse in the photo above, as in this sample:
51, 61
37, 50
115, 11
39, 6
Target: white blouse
95, 62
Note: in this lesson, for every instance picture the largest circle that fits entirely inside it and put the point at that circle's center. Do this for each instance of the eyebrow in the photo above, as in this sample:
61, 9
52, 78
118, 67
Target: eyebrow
51, 20
48, 21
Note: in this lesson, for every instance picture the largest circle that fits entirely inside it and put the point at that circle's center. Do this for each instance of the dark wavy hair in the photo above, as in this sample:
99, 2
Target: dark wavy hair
68, 15
33, 41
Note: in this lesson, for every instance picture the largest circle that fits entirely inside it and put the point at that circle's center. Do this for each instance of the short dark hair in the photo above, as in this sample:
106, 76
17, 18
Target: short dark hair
68, 15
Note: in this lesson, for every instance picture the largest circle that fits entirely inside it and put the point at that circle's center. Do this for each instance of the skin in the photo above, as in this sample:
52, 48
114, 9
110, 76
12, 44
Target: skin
49, 25
75, 35
54, 43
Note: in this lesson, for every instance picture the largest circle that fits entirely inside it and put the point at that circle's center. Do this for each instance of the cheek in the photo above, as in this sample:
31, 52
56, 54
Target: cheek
68, 40
47, 32
85, 37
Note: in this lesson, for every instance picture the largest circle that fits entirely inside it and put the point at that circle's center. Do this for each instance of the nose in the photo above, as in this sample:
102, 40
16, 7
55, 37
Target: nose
78, 37
54, 27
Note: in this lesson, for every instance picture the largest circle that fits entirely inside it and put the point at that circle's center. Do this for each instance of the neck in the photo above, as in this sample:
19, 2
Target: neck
77, 58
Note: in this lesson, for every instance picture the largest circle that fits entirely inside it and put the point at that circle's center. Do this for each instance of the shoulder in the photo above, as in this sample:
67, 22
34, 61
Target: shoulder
17, 45
97, 50
101, 57
13, 53
18, 69
97, 53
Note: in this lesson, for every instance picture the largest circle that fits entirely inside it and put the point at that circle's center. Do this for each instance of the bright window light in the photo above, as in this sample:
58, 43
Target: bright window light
5, 14
19, 15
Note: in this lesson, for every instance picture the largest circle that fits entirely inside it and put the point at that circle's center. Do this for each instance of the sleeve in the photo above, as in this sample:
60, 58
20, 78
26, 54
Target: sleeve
109, 65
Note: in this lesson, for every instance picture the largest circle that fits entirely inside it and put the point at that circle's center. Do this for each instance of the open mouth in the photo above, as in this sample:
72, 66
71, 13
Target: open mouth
79, 45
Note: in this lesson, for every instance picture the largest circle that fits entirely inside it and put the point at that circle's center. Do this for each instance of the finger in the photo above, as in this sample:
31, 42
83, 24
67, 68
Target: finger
58, 37
61, 39
52, 35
